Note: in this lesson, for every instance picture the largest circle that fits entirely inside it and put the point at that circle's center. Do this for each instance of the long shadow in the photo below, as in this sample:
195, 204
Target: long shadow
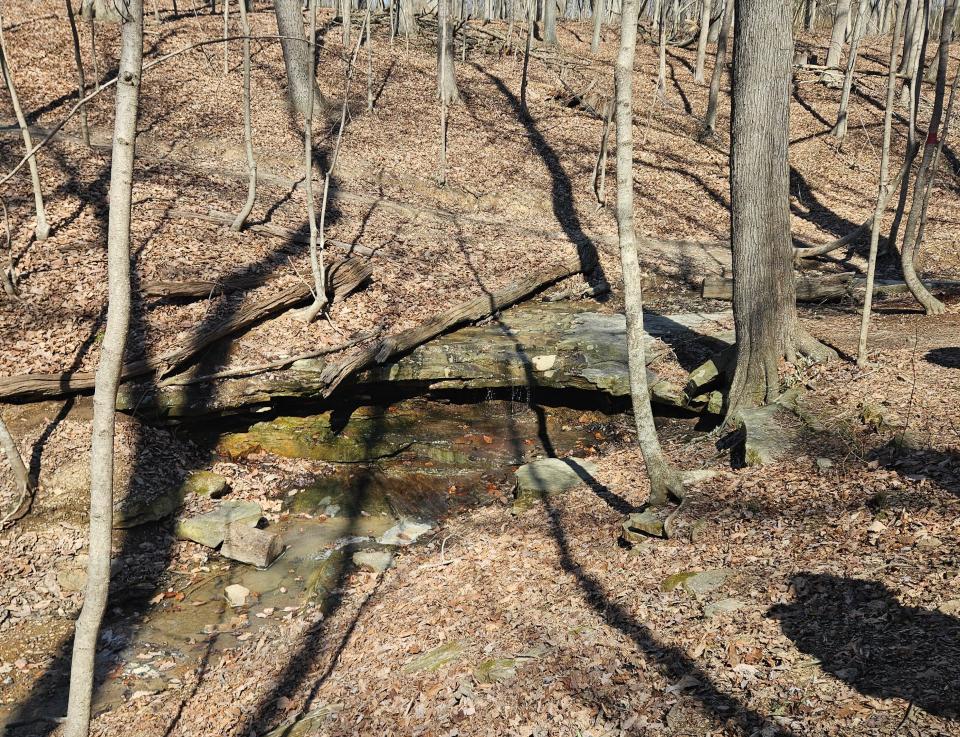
564, 206
861, 634
38, 715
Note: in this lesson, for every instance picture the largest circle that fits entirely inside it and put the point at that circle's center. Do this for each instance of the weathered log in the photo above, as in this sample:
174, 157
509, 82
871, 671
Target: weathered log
830, 287
345, 276
201, 288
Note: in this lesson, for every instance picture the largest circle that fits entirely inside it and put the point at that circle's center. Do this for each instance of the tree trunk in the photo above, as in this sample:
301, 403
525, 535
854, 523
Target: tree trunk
108, 370
764, 298
702, 41
42, 229
664, 480
810, 18
296, 58
884, 194
78, 63
408, 19
921, 188
345, 19
840, 128
719, 66
840, 19
550, 22
247, 125
597, 21
446, 72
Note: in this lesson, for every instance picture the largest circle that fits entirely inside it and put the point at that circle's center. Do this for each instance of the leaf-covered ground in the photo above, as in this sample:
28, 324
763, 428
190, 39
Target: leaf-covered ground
839, 615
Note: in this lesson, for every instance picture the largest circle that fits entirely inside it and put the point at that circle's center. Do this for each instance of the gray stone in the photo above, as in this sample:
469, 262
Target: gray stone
769, 432
72, 579
495, 670
553, 475
206, 483
641, 525
405, 532
210, 529
376, 561
236, 594
724, 606
307, 725
824, 464
251, 546
697, 582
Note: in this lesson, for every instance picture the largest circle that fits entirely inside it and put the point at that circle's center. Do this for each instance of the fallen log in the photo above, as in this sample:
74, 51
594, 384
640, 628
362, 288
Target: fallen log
202, 288
470, 311
344, 276
830, 287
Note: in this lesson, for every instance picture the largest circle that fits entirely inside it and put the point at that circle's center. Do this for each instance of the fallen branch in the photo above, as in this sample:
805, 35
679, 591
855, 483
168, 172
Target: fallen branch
262, 368
830, 287
345, 276
466, 312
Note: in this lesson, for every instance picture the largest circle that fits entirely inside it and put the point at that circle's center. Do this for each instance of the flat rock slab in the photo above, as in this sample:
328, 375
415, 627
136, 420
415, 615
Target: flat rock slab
376, 561
247, 544
770, 432
210, 529
553, 475
404, 532
559, 345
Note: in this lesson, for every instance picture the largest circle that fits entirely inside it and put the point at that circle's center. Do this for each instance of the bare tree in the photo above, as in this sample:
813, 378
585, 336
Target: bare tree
705, 7
21, 477
408, 19
42, 229
345, 19
664, 480
719, 67
247, 125
764, 288
78, 63
840, 20
883, 195
597, 20
108, 369
840, 128
925, 173
550, 22
317, 267
296, 58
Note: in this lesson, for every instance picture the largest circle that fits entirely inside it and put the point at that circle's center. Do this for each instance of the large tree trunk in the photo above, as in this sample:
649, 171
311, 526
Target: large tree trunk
446, 72
108, 370
408, 18
296, 58
764, 298
664, 480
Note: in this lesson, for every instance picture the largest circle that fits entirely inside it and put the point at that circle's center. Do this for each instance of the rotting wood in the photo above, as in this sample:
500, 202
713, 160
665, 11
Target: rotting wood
829, 287
345, 276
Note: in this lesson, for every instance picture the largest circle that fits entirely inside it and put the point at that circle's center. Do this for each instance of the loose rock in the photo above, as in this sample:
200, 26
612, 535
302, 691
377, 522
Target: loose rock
210, 529
236, 594
249, 545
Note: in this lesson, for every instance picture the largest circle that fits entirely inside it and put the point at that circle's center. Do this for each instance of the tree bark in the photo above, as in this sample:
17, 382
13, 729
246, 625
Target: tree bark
345, 19
42, 229
664, 480
242, 216
408, 20
296, 58
719, 66
108, 370
764, 298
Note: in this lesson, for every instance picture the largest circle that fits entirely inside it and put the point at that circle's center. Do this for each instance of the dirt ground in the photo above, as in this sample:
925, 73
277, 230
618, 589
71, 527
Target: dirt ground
839, 611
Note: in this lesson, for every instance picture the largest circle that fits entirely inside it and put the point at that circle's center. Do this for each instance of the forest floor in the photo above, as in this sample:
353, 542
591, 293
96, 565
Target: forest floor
839, 615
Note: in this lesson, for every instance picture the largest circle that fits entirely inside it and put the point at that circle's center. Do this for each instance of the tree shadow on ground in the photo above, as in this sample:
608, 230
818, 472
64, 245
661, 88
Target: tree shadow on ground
948, 357
861, 634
